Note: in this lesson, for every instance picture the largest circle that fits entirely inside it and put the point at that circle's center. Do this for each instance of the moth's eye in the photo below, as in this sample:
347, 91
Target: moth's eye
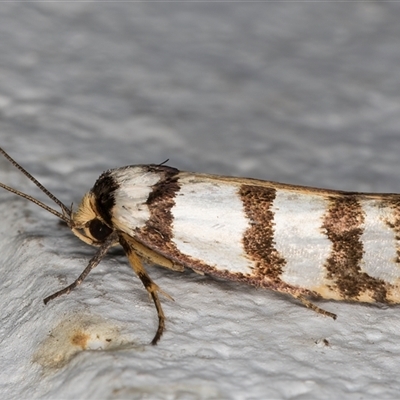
99, 230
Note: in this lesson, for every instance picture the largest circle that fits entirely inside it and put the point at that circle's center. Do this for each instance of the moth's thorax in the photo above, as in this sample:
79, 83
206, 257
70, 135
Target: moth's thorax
121, 195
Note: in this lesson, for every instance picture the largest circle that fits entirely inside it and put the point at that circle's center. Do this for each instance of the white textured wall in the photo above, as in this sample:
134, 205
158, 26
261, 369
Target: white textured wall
298, 92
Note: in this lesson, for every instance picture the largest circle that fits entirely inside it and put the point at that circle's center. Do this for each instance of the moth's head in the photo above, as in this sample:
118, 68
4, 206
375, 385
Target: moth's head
87, 224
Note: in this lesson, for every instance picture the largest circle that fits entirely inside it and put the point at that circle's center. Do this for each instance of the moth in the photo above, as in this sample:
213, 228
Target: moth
305, 242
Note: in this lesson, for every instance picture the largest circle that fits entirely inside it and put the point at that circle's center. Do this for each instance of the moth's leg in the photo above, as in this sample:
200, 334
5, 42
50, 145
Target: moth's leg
150, 286
152, 289
92, 264
315, 308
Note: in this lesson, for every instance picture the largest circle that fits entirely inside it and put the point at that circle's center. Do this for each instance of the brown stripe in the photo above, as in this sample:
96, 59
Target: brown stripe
343, 226
158, 228
258, 240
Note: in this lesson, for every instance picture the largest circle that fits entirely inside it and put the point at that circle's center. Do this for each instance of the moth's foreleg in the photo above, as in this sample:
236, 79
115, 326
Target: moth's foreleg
92, 264
151, 287
315, 308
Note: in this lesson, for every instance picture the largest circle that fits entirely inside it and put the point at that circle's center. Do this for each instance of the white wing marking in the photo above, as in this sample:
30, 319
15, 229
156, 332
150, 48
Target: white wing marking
209, 224
299, 237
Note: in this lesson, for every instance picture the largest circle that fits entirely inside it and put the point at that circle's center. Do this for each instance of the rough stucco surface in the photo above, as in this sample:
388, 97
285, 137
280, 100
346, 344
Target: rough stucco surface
305, 93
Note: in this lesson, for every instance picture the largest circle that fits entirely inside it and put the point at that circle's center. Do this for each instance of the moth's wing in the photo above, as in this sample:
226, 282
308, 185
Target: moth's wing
284, 237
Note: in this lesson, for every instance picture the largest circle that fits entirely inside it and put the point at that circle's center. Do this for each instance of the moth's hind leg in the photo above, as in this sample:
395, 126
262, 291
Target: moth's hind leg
151, 287
315, 308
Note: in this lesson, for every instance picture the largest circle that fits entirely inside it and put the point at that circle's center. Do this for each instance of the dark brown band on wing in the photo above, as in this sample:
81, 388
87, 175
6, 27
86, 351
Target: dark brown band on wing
343, 225
258, 239
158, 229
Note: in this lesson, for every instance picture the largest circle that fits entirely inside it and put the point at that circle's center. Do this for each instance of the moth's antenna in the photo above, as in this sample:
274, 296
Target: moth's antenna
66, 212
